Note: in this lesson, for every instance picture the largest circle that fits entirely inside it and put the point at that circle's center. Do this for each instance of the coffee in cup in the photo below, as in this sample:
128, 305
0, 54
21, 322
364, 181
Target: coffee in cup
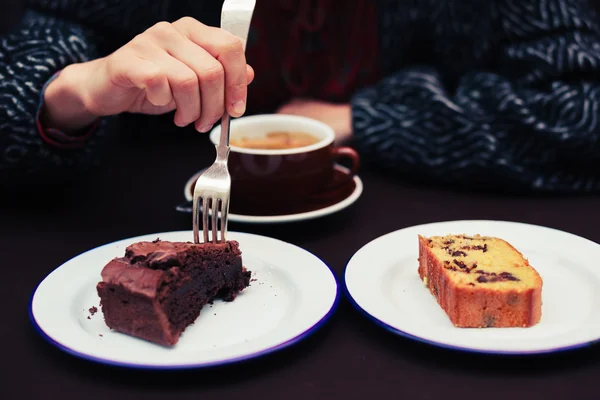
280, 160
277, 140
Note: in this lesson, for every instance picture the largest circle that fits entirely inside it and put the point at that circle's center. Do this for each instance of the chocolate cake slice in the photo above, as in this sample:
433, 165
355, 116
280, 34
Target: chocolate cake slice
158, 289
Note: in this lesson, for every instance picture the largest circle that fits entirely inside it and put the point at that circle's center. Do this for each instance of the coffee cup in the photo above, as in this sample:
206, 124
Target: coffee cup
271, 179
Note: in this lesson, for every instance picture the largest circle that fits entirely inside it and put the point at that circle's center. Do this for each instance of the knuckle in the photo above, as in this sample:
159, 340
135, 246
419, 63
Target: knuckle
213, 73
153, 77
161, 25
162, 29
233, 45
186, 21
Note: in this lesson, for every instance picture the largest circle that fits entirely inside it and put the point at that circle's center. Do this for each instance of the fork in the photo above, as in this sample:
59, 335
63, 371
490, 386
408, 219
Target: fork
213, 186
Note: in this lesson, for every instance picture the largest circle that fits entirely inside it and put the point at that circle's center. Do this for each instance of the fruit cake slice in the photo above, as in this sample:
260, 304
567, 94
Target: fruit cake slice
480, 281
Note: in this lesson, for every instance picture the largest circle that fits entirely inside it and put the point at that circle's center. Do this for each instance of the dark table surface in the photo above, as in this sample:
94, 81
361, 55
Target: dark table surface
349, 357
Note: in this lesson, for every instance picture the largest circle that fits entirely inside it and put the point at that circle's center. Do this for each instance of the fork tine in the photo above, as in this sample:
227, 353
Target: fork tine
205, 210
215, 214
224, 212
196, 218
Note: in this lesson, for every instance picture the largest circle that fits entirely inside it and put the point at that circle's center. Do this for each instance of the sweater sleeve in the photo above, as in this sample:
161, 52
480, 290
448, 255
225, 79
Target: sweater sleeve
528, 120
30, 55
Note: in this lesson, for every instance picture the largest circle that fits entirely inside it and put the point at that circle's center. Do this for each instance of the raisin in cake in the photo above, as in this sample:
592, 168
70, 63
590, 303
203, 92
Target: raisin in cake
480, 281
158, 289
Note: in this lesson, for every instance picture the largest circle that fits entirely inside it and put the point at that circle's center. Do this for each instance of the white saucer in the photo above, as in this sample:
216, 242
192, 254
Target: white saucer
382, 281
261, 219
293, 294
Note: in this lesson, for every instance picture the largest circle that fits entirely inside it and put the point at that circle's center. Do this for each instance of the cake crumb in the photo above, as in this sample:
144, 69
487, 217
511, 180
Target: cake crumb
93, 310
89, 317
101, 335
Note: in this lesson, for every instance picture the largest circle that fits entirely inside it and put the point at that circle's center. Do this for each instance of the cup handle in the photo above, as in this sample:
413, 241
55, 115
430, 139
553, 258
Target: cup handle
345, 152
348, 152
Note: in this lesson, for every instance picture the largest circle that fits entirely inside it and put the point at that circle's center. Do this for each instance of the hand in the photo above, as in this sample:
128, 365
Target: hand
338, 116
186, 66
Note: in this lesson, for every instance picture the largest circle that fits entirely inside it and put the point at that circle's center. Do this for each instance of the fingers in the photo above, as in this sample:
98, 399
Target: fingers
126, 69
200, 69
210, 77
147, 76
213, 97
229, 51
184, 87
168, 49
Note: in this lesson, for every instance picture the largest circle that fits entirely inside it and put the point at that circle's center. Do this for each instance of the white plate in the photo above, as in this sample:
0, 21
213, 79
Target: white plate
294, 293
261, 219
382, 280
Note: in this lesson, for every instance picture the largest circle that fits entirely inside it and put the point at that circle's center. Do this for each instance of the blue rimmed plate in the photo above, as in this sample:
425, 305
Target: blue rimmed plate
292, 293
381, 280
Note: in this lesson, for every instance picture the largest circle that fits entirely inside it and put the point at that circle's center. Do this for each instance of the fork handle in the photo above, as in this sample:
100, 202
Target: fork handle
223, 147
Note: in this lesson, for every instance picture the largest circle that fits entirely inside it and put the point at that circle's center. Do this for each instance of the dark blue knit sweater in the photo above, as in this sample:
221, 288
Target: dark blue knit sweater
497, 93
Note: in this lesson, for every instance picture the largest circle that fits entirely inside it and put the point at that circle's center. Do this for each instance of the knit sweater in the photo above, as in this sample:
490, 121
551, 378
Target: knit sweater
501, 94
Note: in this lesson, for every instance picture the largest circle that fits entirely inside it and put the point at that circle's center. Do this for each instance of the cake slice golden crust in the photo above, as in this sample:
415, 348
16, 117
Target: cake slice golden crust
480, 281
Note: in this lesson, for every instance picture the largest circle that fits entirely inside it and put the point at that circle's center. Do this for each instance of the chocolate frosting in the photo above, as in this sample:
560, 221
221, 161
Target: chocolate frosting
164, 255
138, 280
144, 266
157, 254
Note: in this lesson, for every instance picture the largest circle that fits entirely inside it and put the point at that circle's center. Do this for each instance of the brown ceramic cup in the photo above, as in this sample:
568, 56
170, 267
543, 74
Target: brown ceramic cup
275, 179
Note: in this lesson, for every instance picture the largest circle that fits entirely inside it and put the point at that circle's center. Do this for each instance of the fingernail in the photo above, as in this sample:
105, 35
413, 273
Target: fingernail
239, 107
205, 129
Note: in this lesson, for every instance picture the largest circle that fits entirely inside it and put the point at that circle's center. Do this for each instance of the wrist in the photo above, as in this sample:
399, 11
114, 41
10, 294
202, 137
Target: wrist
64, 101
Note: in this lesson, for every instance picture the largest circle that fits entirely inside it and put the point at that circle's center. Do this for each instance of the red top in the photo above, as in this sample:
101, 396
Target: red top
320, 49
